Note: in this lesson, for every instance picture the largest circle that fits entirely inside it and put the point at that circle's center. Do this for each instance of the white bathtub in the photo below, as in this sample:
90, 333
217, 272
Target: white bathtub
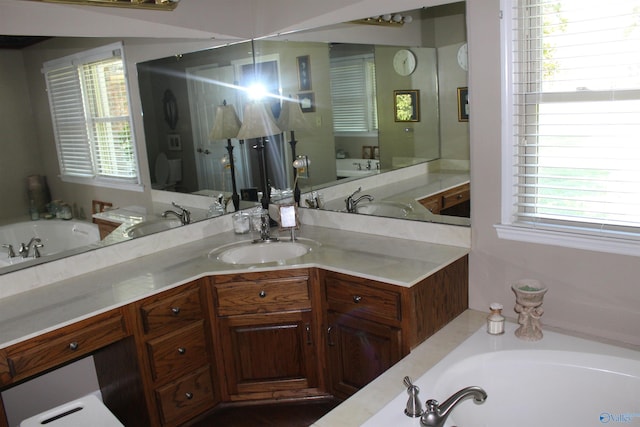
57, 235
558, 381
357, 167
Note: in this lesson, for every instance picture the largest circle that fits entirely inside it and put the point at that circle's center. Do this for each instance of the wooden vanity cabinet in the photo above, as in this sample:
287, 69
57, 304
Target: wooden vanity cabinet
372, 325
66, 344
105, 227
364, 332
454, 201
174, 349
268, 341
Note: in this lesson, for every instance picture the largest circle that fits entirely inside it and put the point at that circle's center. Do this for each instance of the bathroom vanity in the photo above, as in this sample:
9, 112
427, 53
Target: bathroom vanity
176, 333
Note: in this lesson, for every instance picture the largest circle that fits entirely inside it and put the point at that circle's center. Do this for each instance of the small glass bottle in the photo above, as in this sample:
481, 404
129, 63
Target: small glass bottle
495, 320
33, 211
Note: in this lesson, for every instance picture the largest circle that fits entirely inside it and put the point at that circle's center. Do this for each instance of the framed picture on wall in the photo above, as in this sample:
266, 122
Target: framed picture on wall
406, 105
463, 104
304, 72
307, 102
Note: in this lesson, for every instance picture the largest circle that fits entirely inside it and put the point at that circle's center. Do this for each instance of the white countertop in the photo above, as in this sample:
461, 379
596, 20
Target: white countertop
413, 189
393, 260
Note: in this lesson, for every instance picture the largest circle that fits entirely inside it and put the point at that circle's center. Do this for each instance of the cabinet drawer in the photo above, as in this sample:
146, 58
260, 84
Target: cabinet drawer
180, 351
363, 300
185, 398
172, 312
65, 344
455, 196
432, 204
262, 296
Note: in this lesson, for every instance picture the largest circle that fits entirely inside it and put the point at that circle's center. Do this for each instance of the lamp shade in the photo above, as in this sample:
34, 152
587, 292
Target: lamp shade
257, 122
226, 124
291, 117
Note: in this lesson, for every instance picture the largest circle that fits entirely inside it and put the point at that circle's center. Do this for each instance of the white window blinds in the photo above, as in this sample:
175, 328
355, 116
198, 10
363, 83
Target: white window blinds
353, 94
92, 124
575, 124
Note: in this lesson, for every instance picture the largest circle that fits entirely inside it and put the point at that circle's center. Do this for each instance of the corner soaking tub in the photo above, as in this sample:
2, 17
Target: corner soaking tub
558, 381
57, 235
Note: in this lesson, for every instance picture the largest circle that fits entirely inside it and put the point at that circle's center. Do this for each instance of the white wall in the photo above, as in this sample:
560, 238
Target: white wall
590, 292
18, 137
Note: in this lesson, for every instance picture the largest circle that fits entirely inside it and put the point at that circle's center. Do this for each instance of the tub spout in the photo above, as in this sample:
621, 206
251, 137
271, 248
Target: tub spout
436, 414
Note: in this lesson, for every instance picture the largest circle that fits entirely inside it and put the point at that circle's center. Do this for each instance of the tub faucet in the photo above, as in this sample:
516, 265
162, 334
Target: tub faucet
353, 204
184, 216
34, 243
436, 414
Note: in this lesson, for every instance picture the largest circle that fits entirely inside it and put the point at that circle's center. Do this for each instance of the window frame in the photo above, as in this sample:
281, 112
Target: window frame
367, 64
75, 62
562, 235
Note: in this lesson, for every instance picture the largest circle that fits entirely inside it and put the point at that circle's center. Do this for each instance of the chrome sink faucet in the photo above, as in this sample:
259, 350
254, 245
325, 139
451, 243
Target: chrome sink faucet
436, 414
34, 243
184, 216
352, 204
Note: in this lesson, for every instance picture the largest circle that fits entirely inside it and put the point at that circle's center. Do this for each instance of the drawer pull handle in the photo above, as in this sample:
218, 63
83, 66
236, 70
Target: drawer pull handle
188, 395
357, 298
182, 350
262, 294
74, 346
175, 310
307, 328
329, 337
459, 196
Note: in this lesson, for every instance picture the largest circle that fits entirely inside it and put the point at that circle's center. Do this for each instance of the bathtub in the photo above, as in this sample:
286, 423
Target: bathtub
558, 381
357, 167
57, 235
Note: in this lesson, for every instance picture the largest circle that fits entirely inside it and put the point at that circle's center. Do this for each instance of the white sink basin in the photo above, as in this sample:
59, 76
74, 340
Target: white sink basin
152, 226
392, 209
247, 252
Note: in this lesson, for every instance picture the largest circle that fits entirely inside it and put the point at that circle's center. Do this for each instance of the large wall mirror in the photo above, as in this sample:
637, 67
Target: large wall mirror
178, 112
349, 94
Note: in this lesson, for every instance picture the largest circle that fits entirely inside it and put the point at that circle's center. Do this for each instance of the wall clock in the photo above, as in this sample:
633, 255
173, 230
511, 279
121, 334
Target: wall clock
463, 57
404, 62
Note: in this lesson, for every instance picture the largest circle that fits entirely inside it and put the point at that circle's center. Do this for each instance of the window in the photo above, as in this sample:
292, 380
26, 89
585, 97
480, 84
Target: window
353, 94
89, 103
571, 123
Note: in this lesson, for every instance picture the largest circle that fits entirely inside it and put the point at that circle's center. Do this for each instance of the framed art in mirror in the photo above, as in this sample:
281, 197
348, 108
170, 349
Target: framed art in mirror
406, 105
307, 102
304, 72
463, 104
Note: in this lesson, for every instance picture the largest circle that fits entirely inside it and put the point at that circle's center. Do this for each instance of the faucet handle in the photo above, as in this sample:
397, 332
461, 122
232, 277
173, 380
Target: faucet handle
356, 192
414, 407
11, 252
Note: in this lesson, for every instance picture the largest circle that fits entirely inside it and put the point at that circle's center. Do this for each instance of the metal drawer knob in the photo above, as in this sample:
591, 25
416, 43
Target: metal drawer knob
188, 395
175, 310
182, 350
357, 298
262, 294
74, 345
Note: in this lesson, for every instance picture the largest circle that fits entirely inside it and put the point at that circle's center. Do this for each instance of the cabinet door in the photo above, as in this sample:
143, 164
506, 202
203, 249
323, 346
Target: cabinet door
359, 350
268, 355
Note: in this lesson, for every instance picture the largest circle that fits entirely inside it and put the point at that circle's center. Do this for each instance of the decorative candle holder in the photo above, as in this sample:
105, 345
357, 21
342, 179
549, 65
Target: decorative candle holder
529, 296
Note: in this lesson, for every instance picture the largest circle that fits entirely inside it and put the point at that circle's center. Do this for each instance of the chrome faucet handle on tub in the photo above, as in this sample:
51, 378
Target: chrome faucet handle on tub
414, 407
436, 413
10, 251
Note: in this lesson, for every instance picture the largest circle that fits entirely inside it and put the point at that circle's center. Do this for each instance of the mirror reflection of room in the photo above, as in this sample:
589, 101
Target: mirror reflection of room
176, 154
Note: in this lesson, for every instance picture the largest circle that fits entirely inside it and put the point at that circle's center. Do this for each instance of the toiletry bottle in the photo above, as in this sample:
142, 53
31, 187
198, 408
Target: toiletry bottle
495, 320
33, 211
